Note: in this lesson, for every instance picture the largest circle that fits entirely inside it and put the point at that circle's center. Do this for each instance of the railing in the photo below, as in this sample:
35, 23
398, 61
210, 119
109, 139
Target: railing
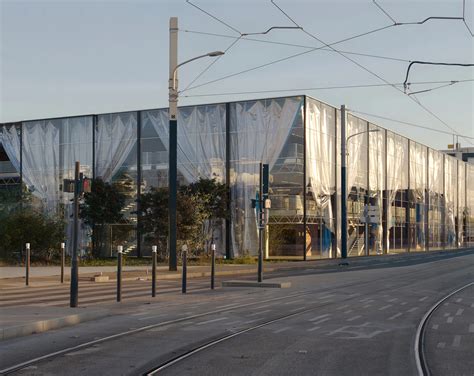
6, 167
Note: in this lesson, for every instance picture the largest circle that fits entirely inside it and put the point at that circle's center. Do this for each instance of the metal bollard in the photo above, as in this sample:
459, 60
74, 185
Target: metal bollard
27, 264
119, 273
185, 267
213, 265
63, 255
153, 272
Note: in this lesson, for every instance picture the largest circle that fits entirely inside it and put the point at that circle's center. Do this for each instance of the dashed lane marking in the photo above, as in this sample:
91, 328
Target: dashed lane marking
412, 309
456, 340
318, 317
313, 328
213, 320
395, 316
281, 330
441, 345
385, 307
450, 319
459, 311
435, 327
354, 318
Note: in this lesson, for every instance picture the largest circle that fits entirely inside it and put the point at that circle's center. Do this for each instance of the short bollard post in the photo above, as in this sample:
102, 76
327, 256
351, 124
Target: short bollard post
185, 267
153, 272
213, 265
27, 263
63, 255
119, 273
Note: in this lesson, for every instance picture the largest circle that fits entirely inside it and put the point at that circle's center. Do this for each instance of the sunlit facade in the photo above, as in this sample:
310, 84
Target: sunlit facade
402, 196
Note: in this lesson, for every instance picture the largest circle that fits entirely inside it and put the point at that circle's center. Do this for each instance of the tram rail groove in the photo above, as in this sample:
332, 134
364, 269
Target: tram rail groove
420, 357
27, 363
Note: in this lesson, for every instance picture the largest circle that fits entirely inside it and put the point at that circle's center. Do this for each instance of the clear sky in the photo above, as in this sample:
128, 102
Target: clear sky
70, 57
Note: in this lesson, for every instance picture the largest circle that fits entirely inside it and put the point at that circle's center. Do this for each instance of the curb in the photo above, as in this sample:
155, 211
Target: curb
50, 324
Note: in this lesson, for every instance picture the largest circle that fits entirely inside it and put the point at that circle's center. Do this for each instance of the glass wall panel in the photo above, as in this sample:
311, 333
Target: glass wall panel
436, 214
10, 183
320, 180
116, 162
268, 131
397, 193
461, 209
417, 196
201, 150
357, 184
373, 211
451, 201
470, 205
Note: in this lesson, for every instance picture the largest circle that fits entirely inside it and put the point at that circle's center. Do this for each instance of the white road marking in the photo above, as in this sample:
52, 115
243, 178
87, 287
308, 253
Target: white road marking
263, 306
423, 298
412, 309
281, 330
319, 317
260, 312
385, 307
456, 341
343, 306
367, 306
297, 309
228, 305
294, 301
447, 314
471, 328
313, 328
322, 320
403, 303
450, 319
395, 316
472, 305
459, 300
459, 311
441, 345
354, 318
214, 320
392, 300
435, 326
348, 311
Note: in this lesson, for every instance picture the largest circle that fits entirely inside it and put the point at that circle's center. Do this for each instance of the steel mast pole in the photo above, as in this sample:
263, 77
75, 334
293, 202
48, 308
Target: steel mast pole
173, 142
343, 186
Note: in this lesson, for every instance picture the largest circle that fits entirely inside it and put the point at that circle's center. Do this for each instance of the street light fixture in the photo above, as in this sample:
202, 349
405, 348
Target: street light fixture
173, 135
344, 141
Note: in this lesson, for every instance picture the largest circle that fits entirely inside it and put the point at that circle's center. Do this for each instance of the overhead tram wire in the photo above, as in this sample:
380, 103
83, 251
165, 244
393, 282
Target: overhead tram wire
296, 45
233, 43
369, 71
395, 23
452, 82
405, 123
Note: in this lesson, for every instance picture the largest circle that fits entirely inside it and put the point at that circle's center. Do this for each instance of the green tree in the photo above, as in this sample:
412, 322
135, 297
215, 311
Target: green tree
43, 233
103, 205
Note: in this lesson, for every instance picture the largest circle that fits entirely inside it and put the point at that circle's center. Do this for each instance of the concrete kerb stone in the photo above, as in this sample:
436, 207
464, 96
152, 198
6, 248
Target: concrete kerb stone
41, 326
272, 284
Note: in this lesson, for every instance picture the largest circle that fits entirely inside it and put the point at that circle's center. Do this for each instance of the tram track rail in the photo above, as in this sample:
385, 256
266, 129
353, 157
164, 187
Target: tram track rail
422, 364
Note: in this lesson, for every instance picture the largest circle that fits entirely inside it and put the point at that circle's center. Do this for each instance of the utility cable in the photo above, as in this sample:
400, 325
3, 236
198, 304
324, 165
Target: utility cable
214, 17
406, 123
432, 89
369, 71
296, 45
452, 82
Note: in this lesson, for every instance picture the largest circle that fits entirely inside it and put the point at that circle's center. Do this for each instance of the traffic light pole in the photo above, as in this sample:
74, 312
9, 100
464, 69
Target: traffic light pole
260, 227
74, 265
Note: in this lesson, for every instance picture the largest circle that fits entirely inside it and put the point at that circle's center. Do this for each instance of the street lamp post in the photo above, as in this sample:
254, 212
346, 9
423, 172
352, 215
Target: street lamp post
173, 135
344, 141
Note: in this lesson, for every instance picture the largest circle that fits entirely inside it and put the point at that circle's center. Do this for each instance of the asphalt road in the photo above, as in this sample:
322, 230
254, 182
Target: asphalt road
359, 320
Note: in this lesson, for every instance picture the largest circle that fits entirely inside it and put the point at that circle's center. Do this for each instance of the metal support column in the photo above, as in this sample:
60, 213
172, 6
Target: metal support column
304, 179
74, 265
334, 202
427, 202
443, 207
367, 192
408, 230
386, 202
139, 184
343, 185
228, 220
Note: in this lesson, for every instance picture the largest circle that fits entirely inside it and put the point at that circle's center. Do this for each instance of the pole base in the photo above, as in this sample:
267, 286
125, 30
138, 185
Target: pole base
343, 263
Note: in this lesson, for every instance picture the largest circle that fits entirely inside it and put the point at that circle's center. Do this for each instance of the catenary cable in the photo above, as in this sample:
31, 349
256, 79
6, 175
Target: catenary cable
413, 98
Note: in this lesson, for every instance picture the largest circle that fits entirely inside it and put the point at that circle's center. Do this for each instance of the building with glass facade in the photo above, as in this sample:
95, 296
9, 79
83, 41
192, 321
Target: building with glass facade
402, 196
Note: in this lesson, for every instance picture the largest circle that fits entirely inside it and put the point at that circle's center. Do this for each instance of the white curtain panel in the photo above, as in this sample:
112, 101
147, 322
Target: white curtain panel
355, 147
450, 198
115, 137
10, 140
320, 164
259, 130
41, 161
201, 140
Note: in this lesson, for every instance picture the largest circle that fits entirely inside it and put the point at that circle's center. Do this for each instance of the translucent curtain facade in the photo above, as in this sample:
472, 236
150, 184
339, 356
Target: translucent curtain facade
461, 209
320, 184
436, 214
451, 201
470, 205
116, 162
201, 149
357, 184
418, 196
374, 203
10, 139
397, 192
41, 163
268, 131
